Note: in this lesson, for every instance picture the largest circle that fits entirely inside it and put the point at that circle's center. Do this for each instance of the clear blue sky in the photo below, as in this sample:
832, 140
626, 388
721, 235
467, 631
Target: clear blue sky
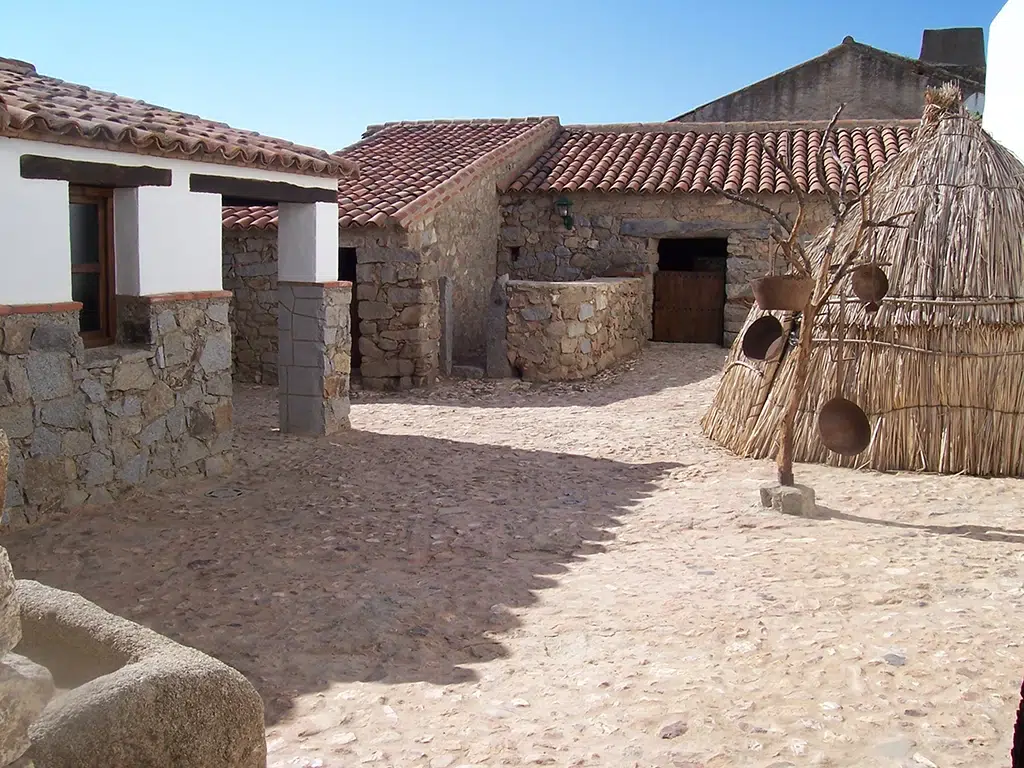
318, 72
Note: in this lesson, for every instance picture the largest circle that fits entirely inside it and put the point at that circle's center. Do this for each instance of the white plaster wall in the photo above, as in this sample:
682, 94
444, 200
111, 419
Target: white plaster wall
307, 242
35, 244
1004, 91
167, 239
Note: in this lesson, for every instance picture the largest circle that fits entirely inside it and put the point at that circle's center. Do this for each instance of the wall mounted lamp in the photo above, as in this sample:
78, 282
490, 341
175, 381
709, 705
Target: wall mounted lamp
563, 207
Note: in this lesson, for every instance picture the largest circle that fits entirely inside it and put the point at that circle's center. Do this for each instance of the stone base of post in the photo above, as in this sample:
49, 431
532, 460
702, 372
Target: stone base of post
314, 356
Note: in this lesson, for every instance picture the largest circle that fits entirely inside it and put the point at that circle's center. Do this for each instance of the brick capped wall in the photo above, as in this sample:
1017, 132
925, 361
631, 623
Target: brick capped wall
87, 425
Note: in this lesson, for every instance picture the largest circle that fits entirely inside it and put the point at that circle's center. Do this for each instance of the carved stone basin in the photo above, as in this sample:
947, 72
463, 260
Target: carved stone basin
133, 697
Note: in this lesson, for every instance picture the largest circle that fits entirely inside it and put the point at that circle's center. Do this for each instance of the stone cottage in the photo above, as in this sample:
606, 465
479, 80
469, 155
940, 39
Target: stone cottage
115, 349
441, 209
418, 237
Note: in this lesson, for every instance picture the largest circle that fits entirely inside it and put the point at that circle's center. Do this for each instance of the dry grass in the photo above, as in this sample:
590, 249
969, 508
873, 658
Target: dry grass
939, 368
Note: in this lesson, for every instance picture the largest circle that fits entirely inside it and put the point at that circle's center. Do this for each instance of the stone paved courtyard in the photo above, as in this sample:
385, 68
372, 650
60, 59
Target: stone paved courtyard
499, 574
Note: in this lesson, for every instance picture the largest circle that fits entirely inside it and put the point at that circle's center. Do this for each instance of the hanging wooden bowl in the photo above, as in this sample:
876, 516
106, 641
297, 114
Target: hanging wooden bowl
870, 283
759, 337
844, 427
782, 292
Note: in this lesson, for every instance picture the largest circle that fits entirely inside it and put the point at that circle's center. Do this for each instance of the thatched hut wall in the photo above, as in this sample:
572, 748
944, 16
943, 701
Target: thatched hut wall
932, 405
939, 368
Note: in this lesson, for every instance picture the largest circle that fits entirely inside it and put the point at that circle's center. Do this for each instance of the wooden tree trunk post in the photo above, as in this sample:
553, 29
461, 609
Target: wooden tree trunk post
784, 458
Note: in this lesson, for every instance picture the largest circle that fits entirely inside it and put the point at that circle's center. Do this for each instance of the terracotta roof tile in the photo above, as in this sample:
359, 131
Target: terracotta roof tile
668, 158
33, 106
407, 169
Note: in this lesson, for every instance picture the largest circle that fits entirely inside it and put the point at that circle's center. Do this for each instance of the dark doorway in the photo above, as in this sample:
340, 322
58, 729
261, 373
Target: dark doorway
347, 271
689, 290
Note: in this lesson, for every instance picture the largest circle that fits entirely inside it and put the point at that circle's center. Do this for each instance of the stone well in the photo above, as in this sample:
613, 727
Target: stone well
561, 331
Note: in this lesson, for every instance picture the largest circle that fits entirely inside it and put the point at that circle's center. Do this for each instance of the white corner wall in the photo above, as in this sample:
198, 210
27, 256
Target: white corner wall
35, 245
1004, 91
166, 239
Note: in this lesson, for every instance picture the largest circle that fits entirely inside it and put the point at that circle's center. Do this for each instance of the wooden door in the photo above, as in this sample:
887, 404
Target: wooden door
347, 271
689, 307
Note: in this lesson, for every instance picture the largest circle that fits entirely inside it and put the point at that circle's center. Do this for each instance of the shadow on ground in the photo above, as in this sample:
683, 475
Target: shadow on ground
976, 532
355, 558
656, 369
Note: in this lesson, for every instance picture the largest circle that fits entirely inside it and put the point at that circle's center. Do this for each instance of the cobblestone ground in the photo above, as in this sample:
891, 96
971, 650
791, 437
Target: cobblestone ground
495, 574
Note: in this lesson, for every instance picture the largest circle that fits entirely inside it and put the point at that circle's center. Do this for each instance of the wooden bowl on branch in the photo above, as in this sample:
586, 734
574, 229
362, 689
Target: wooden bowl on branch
782, 292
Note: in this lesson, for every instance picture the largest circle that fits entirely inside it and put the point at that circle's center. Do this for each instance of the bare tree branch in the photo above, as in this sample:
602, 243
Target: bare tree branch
891, 221
786, 226
845, 172
792, 244
819, 165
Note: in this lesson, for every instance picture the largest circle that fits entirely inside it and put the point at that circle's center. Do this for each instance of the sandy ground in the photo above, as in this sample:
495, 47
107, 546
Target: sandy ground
496, 574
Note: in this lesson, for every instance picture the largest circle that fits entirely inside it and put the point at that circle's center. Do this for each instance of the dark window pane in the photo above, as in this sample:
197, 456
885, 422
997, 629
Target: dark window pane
85, 233
85, 287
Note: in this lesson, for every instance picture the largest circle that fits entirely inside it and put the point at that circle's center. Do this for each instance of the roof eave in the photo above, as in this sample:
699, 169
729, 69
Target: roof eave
215, 153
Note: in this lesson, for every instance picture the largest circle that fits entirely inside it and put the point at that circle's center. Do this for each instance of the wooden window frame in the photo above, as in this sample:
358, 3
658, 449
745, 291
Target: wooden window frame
103, 198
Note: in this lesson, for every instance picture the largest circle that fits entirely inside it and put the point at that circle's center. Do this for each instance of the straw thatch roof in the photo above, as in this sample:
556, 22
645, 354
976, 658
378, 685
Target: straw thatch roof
939, 368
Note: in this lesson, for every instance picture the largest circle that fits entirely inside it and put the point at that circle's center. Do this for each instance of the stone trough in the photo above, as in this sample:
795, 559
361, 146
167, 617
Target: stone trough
125, 695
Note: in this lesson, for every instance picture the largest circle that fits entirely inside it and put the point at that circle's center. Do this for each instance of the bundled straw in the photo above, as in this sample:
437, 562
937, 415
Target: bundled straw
939, 368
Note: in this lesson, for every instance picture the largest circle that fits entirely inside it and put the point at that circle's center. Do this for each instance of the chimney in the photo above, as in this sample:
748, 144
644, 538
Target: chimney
959, 47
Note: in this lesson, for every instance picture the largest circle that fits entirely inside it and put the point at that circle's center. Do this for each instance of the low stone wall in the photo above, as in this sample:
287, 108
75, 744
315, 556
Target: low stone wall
613, 232
559, 331
86, 425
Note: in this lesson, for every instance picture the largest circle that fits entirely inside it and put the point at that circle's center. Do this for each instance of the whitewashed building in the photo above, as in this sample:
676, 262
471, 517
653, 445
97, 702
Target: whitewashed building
1004, 86
115, 347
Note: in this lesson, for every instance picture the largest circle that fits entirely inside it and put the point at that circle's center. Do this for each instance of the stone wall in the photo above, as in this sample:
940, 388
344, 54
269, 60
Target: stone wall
462, 238
615, 233
399, 317
87, 425
561, 331
250, 273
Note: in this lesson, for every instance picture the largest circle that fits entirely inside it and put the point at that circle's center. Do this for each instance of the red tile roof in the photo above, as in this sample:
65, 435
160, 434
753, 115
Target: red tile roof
676, 157
33, 106
407, 169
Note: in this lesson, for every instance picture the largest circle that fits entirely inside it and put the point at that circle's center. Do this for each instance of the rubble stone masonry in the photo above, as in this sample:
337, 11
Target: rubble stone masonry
615, 233
399, 318
250, 273
560, 331
87, 425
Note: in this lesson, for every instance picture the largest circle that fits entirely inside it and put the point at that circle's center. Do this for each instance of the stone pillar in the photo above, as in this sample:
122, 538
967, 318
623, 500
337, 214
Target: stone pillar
497, 328
445, 286
314, 356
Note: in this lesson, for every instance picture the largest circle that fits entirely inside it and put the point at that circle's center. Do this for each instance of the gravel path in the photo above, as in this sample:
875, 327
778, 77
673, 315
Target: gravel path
500, 574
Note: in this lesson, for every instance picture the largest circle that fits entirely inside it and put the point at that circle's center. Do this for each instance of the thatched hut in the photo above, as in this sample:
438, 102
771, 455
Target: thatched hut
939, 367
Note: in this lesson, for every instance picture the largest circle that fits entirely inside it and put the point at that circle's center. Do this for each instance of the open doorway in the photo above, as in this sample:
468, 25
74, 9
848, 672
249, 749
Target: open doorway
347, 271
689, 290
